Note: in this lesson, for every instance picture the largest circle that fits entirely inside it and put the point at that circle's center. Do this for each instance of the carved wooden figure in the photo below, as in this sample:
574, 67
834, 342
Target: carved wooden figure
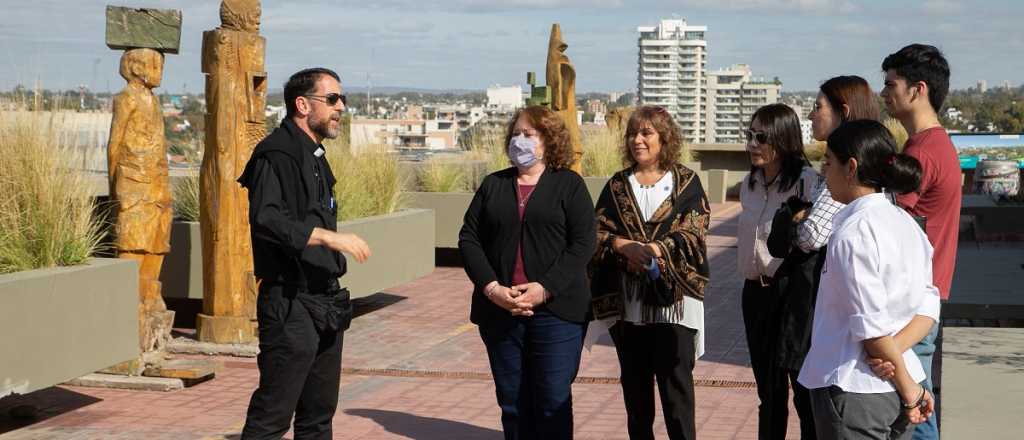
236, 88
561, 81
137, 163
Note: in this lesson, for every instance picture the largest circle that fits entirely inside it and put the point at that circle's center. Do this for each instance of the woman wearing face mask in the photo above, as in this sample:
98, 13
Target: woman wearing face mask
525, 241
650, 271
776, 304
877, 279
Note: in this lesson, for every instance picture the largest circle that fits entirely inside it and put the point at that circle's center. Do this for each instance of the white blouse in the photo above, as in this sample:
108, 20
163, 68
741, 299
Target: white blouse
877, 277
759, 205
649, 198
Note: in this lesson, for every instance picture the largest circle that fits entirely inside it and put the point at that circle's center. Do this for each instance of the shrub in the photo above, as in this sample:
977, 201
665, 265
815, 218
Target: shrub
899, 133
46, 200
485, 144
602, 152
815, 151
440, 175
368, 183
186, 196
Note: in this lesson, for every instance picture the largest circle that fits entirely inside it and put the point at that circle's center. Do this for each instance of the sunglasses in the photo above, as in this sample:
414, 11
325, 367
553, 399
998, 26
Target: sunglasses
760, 136
330, 99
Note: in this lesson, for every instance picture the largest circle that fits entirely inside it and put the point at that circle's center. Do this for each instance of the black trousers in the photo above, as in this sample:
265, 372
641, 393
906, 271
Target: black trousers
300, 371
662, 352
773, 381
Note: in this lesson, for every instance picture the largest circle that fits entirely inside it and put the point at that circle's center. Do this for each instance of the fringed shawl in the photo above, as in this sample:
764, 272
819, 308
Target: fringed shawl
678, 227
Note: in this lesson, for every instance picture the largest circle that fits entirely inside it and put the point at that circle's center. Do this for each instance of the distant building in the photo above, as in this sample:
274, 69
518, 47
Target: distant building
396, 134
982, 86
504, 98
733, 95
709, 107
463, 115
596, 106
954, 114
671, 61
805, 131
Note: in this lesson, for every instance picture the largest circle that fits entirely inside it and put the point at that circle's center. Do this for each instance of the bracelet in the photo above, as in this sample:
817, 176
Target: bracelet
490, 290
916, 403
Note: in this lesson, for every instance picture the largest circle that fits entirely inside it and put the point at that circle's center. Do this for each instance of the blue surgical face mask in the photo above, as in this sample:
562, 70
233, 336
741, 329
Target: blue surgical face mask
522, 150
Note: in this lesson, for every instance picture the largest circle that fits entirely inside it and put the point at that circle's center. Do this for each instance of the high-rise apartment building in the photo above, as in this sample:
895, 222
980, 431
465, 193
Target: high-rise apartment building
672, 58
733, 95
710, 107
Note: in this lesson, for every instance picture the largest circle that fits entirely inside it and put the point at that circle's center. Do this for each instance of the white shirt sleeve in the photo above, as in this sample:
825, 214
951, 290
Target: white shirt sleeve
930, 305
858, 274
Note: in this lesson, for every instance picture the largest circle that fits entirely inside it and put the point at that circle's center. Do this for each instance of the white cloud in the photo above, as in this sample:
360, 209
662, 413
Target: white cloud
819, 7
942, 7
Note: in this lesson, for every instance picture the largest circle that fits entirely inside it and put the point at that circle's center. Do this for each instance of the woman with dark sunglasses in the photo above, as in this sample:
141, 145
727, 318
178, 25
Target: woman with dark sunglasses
777, 307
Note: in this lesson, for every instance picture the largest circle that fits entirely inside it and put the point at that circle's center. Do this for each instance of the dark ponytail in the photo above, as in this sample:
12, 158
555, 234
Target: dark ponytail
904, 175
878, 164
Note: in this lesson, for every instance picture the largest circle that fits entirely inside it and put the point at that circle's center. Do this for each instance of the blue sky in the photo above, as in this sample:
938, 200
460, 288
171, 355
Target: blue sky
470, 44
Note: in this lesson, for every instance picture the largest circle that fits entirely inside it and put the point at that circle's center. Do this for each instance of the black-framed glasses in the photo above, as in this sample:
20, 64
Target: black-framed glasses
760, 136
330, 99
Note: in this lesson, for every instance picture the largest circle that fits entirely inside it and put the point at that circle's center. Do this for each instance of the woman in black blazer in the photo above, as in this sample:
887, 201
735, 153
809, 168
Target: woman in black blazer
526, 241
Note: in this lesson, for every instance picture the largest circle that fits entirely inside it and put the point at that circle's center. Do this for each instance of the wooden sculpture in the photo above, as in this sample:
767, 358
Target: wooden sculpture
139, 184
236, 90
561, 83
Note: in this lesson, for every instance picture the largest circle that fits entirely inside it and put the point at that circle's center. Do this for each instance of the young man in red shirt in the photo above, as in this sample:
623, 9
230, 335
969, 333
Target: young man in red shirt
916, 84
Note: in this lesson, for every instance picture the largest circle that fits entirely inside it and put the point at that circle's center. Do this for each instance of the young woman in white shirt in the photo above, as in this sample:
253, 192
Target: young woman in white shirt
876, 280
777, 307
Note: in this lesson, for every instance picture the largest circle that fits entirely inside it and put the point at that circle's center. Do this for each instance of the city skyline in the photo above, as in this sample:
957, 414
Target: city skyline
471, 44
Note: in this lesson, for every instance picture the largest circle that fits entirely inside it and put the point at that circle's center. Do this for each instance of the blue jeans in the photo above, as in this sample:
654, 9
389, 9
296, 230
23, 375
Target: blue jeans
925, 350
534, 363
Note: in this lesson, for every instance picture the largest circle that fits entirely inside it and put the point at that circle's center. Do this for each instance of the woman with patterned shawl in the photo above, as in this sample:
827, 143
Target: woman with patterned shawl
650, 270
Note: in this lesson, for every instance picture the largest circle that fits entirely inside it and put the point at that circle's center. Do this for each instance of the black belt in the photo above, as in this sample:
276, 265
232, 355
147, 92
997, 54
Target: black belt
319, 287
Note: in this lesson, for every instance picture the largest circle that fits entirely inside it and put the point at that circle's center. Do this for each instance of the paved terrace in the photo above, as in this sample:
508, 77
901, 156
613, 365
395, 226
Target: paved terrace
414, 367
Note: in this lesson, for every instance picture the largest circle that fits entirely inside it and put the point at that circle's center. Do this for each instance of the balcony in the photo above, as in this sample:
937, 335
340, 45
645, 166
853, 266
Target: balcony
659, 77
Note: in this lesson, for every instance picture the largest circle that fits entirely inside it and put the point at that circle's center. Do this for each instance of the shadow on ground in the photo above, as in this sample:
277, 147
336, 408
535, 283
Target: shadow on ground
45, 403
423, 428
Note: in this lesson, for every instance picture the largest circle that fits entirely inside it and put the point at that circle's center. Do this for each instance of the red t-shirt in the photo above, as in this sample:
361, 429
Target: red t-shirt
523, 193
938, 199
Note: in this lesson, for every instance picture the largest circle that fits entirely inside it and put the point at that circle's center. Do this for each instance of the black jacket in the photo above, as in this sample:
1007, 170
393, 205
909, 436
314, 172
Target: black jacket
290, 193
558, 235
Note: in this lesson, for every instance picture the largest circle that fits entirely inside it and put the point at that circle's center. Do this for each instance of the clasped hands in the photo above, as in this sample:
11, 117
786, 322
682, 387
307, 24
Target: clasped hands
519, 299
638, 255
925, 403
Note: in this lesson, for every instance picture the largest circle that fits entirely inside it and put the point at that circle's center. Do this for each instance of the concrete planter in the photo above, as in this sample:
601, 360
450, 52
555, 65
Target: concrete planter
595, 185
402, 245
449, 209
403, 250
182, 272
61, 323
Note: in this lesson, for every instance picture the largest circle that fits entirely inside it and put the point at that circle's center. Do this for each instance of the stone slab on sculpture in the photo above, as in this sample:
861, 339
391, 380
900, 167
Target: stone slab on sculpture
131, 28
561, 82
236, 91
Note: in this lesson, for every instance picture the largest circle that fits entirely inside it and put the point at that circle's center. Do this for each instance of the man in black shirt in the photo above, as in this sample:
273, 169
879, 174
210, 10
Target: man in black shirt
301, 309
